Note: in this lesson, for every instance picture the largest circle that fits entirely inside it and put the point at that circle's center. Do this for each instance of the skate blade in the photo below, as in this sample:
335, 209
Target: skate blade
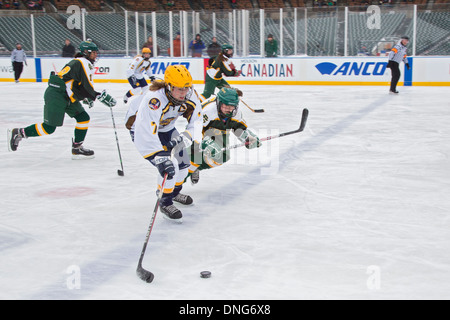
8, 140
184, 204
176, 221
81, 157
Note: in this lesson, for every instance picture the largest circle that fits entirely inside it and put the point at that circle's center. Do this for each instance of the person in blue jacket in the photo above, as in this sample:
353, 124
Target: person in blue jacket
196, 46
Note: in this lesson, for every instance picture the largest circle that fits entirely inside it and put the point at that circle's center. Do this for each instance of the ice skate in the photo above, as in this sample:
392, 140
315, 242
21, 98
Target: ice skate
14, 137
81, 153
195, 176
172, 213
183, 199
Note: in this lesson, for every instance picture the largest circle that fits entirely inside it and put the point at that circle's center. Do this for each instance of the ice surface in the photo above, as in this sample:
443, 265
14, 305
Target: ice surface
355, 207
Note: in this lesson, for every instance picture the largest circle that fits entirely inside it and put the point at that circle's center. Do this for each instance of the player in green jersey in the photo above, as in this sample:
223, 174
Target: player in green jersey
221, 115
74, 83
220, 66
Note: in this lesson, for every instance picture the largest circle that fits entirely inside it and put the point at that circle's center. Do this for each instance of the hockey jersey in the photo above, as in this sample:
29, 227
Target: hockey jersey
213, 125
78, 77
221, 67
156, 114
398, 53
138, 67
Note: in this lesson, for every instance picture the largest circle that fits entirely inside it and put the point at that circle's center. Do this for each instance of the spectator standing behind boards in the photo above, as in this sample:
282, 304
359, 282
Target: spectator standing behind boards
68, 50
271, 46
214, 48
18, 58
197, 46
176, 46
149, 44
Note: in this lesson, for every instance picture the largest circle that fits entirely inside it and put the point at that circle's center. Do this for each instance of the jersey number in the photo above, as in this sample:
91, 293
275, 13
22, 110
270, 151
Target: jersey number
64, 71
155, 127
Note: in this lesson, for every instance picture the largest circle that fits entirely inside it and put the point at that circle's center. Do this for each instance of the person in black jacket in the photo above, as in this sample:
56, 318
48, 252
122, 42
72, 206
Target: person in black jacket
68, 50
214, 48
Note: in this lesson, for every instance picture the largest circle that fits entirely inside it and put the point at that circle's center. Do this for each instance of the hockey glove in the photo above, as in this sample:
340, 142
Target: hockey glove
106, 99
210, 148
88, 102
182, 141
132, 80
251, 139
164, 165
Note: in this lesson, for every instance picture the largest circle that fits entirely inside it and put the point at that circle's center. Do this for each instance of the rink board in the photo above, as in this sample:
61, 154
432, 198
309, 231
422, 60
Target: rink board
425, 71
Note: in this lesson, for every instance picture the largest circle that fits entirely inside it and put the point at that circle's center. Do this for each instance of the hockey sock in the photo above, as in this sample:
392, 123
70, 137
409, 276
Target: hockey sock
166, 199
81, 127
39, 129
177, 190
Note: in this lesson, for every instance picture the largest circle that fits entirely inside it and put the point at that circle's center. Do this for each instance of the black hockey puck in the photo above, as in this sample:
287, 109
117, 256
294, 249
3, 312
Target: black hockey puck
205, 274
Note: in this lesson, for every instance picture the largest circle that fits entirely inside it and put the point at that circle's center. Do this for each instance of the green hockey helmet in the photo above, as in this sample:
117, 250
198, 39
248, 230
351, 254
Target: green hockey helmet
229, 97
88, 46
225, 50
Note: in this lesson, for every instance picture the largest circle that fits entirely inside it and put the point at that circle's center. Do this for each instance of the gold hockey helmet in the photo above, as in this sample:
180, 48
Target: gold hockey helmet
177, 76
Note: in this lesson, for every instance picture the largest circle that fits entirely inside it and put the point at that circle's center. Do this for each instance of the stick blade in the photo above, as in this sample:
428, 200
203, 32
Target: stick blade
305, 114
120, 173
145, 275
259, 110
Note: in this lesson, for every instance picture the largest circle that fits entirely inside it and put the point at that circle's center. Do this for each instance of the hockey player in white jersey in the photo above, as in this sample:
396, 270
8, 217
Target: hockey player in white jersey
135, 74
130, 116
155, 135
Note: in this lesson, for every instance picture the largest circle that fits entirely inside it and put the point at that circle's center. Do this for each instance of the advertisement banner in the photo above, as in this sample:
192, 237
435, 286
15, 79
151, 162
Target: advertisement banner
114, 69
7, 72
266, 71
313, 71
431, 71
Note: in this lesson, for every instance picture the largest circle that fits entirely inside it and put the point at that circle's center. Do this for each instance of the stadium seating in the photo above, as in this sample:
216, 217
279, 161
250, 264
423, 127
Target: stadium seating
63, 4
50, 34
324, 27
362, 36
433, 34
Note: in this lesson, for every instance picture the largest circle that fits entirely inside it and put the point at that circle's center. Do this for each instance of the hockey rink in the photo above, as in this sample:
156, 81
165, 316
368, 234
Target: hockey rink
357, 206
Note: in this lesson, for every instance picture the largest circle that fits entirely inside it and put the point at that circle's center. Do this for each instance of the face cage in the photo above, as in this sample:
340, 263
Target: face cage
225, 52
175, 101
87, 54
230, 115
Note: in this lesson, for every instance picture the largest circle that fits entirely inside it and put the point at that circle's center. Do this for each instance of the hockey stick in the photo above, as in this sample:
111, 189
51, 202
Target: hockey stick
119, 172
300, 129
253, 110
146, 275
